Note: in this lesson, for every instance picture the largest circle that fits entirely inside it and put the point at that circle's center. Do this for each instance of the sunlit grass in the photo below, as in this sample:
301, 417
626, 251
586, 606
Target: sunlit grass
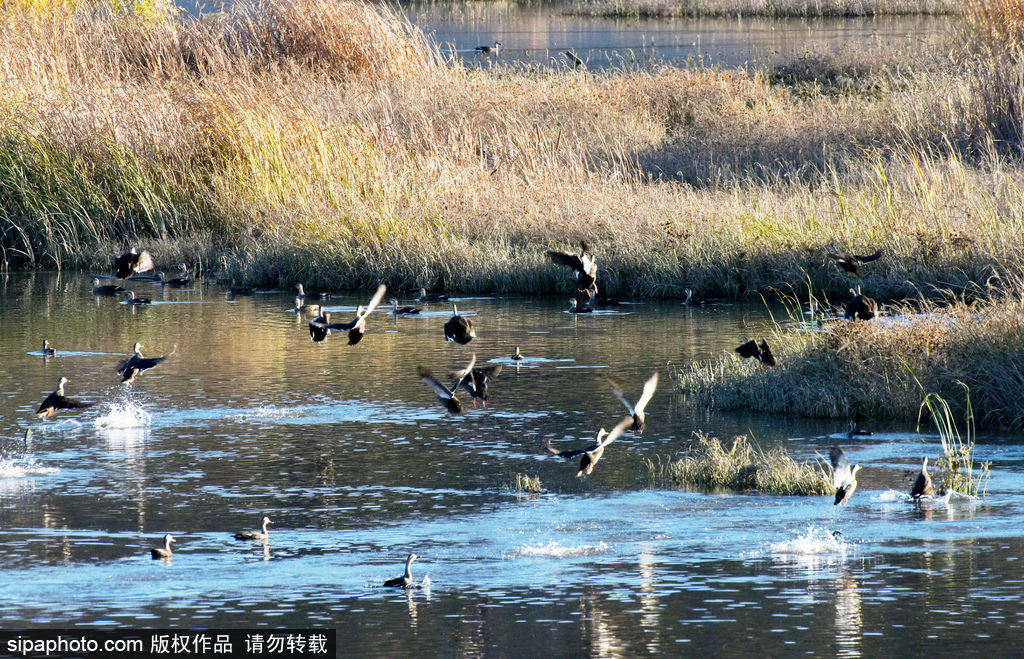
710, 465
955, 469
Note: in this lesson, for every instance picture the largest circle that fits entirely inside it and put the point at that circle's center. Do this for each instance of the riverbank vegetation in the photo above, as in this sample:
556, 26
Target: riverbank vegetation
741, 467
330, 143
762, 8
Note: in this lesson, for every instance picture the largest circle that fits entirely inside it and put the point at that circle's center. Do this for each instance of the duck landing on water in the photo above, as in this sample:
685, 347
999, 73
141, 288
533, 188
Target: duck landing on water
844, 478
136, 364
493, 50
923, 488
584, 269
56, 402
459, 328
404, 581
593, 453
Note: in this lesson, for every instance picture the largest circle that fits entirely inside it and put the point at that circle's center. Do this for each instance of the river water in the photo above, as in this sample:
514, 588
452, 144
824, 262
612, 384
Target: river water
358, 465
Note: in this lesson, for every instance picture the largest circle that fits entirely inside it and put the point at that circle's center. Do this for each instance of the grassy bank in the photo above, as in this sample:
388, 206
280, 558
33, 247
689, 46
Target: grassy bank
307, 140
884, 368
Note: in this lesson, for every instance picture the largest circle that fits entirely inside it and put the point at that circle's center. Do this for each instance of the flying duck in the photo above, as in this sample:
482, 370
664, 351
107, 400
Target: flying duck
477, 380
105, 289
851, 262
404, 581
444, 394
357, 327
56, 402
844, 478
431, 297
136, 300
489, 49
459, 328
47, 350
165, 551
136, 364
132, 262
402, 311
762, 352
861, 307
255, 535
923, 485
318, 329
591, 454
583, 265
636, 411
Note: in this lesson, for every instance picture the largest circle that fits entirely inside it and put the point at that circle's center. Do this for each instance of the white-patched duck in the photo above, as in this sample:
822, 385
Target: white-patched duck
593, 453
165, 551
459, 328
444, 394
57, 401
844, 477
137, 363
356, 328
636, 411
132, 262
255, 535
404, 581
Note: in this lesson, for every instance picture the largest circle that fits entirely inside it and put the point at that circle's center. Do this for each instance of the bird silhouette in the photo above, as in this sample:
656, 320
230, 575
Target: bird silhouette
636, 411
459, 328
137, 363
57, 401
132, 262
583, 265
444, 394
356, 328
851, 262
404, 581
923, 485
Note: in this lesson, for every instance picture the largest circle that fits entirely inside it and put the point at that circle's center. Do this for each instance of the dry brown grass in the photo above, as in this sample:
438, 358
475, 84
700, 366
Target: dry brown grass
883, 368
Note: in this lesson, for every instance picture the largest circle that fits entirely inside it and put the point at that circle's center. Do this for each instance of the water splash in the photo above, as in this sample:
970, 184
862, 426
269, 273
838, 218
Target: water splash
815, 541
22, 468
558, 550
123, 415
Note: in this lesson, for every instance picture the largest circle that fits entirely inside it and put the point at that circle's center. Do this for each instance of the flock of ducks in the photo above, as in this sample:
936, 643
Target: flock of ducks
473, 380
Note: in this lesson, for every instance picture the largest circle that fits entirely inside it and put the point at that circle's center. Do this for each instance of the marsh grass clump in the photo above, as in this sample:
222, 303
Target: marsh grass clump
955, 467
527, 484
710, 465
880, 368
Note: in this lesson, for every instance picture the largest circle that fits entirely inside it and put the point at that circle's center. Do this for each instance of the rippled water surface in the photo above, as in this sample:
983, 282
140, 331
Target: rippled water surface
357, 464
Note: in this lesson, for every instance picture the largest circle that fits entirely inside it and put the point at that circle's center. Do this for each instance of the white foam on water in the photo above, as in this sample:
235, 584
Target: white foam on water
814, 541
558, 550
123, 415
21, 468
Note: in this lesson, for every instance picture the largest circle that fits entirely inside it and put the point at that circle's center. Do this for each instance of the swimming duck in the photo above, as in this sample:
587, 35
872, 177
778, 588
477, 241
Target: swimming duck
105, 289
402, 311
489, 49
844, 478
181, 281
518, 355
477, 380
923, 485
404, 581
165, 551
459, 328
357, 328
851, 262
861, 307
136, 300
132, 262
576, 307
444, 394
762, 352
56, 402
431, 297
577, 63
304, 295
591, 454
692, 301
47, 350
637, 411
583, 265
255, 535
136, 364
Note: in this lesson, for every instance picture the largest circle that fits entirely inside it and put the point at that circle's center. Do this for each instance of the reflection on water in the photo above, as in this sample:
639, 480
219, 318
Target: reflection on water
351, 456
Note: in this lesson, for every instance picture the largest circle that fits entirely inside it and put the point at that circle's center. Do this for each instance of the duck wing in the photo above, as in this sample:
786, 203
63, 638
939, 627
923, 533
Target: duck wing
871, 257
841, 475
645, 397
616, 432
621, 395
564, 258
435, 384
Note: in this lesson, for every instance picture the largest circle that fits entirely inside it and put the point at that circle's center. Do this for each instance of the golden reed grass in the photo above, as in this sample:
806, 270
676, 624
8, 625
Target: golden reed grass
327, 142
